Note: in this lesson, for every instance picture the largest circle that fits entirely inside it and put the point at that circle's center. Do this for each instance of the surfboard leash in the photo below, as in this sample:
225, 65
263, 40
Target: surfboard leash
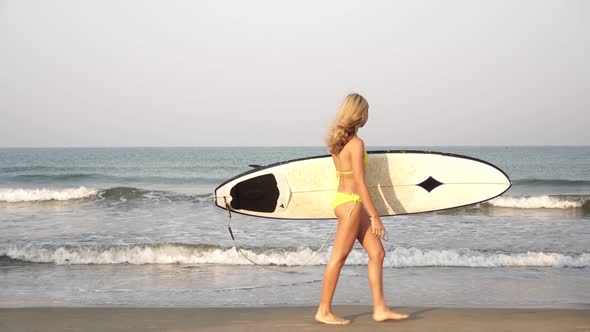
238, 249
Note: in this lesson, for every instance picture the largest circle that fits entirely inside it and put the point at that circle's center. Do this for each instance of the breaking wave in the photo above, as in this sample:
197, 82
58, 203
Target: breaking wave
30, 195
551, 183
116, 193
178, 253
543, 202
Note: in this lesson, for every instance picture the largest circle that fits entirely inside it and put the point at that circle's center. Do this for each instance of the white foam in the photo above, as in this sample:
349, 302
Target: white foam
30, 195
186, 254
403, 257
156, 254
535, 202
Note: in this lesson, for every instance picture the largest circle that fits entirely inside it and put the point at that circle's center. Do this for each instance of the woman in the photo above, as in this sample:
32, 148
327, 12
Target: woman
357, 216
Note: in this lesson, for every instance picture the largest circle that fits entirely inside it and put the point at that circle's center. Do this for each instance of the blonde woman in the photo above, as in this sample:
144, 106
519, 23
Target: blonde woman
357, 216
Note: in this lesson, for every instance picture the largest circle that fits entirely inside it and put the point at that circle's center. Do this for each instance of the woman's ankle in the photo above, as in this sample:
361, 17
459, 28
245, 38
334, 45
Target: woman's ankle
324, 308
380, 308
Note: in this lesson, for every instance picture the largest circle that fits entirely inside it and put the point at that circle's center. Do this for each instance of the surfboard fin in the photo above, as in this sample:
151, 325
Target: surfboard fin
255, 166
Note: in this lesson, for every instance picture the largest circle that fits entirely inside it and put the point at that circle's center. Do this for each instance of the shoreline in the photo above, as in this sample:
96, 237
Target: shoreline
63, 305
290, 318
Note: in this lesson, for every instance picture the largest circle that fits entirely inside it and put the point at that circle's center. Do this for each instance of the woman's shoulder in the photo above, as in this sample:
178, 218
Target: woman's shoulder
355, 143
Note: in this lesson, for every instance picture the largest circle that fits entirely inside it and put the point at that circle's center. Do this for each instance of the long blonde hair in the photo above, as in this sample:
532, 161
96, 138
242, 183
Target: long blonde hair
353, 114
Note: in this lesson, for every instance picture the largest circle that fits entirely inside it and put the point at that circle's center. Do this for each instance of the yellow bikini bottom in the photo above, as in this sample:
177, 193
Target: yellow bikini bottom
341, 198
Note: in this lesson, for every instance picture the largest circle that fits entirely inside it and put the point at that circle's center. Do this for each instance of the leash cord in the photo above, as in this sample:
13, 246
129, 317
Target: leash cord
238, 249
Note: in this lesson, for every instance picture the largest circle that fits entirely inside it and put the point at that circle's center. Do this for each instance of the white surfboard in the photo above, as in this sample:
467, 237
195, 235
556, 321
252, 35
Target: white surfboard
399, 181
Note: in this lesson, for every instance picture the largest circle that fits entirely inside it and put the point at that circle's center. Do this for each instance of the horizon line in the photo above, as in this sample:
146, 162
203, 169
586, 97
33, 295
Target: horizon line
272, 146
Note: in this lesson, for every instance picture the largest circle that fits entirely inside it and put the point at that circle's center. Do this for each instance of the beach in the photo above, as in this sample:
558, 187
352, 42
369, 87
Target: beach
150, 159
290, 319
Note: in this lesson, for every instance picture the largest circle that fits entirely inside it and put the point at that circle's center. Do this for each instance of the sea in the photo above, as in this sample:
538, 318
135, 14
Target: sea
137, 226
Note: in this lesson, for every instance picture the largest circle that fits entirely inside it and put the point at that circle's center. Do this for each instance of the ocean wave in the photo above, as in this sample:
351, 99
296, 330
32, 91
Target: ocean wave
31, 195
69, 177
131, 193
114, 194
542, 202
29, 168
57, 177
124, 193
204, 197
579, 204
177, 253
551, 182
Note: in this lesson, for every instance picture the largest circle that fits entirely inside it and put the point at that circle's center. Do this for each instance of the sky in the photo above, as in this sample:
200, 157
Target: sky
273, 73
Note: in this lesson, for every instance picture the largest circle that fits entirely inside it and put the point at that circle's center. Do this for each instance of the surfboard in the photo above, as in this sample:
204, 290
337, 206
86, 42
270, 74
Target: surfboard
399, 181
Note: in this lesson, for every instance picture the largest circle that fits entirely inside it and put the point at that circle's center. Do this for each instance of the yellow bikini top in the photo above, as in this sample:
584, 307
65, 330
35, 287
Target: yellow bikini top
350, 172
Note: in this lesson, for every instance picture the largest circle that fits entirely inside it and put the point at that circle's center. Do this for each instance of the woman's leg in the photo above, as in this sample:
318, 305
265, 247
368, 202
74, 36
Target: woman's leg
374, 248
346, 234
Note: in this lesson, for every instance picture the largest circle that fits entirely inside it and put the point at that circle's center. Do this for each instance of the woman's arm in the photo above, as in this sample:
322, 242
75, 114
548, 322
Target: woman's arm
357, 154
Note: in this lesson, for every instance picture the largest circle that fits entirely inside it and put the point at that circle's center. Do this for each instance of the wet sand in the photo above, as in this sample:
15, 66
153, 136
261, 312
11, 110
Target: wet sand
289, 319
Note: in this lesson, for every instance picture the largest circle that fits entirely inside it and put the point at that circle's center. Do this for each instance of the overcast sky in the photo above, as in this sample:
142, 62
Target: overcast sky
219, 73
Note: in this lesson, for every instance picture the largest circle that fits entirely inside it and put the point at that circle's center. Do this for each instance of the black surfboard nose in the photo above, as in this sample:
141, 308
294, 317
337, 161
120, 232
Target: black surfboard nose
258, 194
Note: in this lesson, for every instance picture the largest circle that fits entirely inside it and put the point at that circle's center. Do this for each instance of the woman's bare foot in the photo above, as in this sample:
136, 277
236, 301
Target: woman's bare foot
330, 318
387, 314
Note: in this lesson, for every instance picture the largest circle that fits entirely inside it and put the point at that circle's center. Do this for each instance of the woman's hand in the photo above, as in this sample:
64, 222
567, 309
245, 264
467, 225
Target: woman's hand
377, 227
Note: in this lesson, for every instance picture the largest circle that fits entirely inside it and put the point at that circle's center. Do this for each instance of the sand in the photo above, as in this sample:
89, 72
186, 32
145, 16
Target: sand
289, 319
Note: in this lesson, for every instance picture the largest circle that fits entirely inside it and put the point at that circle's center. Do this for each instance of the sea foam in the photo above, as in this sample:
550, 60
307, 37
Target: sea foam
538, 202
210, 254
30, 195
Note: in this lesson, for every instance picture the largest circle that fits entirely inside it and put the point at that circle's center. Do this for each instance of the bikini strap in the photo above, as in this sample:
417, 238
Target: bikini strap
336, 182
338, 173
